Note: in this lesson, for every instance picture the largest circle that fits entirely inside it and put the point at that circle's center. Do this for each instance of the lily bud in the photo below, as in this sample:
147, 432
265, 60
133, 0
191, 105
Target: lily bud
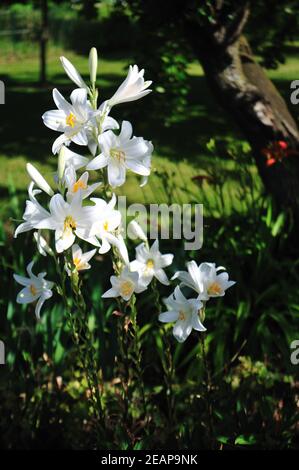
93, 65
42, 244
38, 179
135, 231
61, 163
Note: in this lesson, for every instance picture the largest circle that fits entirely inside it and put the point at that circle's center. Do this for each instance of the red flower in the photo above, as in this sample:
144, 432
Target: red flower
270, 161
276, 152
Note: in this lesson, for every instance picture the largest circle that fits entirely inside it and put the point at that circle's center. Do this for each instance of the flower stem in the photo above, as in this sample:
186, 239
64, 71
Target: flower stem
207, 392
167, 362
82, 338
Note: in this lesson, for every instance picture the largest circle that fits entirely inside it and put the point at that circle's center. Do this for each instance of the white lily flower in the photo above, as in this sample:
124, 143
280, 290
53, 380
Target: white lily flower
34, 212
74, 159
68, 220
124, 285
80, 259
38, 179
205, 280
184, 312
42, 245
122, 152
73, 73
36, 288
150, 262
73, 185
133, 87
106, 225
70, 119
136, 231
101, 122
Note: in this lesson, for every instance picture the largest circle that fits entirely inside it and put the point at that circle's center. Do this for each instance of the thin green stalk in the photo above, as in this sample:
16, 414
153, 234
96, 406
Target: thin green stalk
167, 362
137, 353
207, 392
78, 324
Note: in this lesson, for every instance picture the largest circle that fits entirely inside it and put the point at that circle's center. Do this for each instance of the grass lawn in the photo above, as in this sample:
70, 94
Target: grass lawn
180, 151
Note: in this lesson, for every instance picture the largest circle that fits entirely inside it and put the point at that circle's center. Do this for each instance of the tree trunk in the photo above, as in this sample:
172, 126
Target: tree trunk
243, 89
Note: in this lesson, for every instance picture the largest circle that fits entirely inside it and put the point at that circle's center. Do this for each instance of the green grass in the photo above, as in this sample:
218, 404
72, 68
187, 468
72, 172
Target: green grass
180, 150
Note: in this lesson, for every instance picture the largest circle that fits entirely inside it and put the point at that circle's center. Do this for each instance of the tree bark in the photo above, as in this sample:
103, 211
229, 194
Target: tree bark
242, 88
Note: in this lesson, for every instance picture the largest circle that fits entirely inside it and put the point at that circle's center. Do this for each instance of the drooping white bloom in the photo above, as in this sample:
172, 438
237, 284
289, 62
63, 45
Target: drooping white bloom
205, 279
133, 87
74, 159
70, 119
124, 285
73, 73
34, 212
185, 312
73, 185
36, 288
106, 223
150, 262
68, 220
135, 231
122, 152
38, 179
42, 245
80, 259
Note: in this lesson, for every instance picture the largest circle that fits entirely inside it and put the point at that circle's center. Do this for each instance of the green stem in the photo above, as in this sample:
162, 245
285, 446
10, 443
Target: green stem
207, 392
83, 340
137, 353
167, 362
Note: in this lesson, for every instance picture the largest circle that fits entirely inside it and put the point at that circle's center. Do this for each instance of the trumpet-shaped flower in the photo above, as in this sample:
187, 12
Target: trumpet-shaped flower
68, 220
122, 152
73, 73
80, 259
205, 279
106, 224
124, 285
36, 288
34, 212
70, 119
74, 159
133, 87
81, 184
184, 312
99, 123
150, 262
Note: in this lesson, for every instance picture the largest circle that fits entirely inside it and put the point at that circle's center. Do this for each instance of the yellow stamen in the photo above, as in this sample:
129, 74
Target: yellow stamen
214, 289
118, 154
182, 315
70, 120
77, 262
69, 223
33, 290
150, 264
106, 225
126, 288
79, 185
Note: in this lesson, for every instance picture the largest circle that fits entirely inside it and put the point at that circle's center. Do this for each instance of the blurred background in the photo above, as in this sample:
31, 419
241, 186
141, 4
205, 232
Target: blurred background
226, 135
